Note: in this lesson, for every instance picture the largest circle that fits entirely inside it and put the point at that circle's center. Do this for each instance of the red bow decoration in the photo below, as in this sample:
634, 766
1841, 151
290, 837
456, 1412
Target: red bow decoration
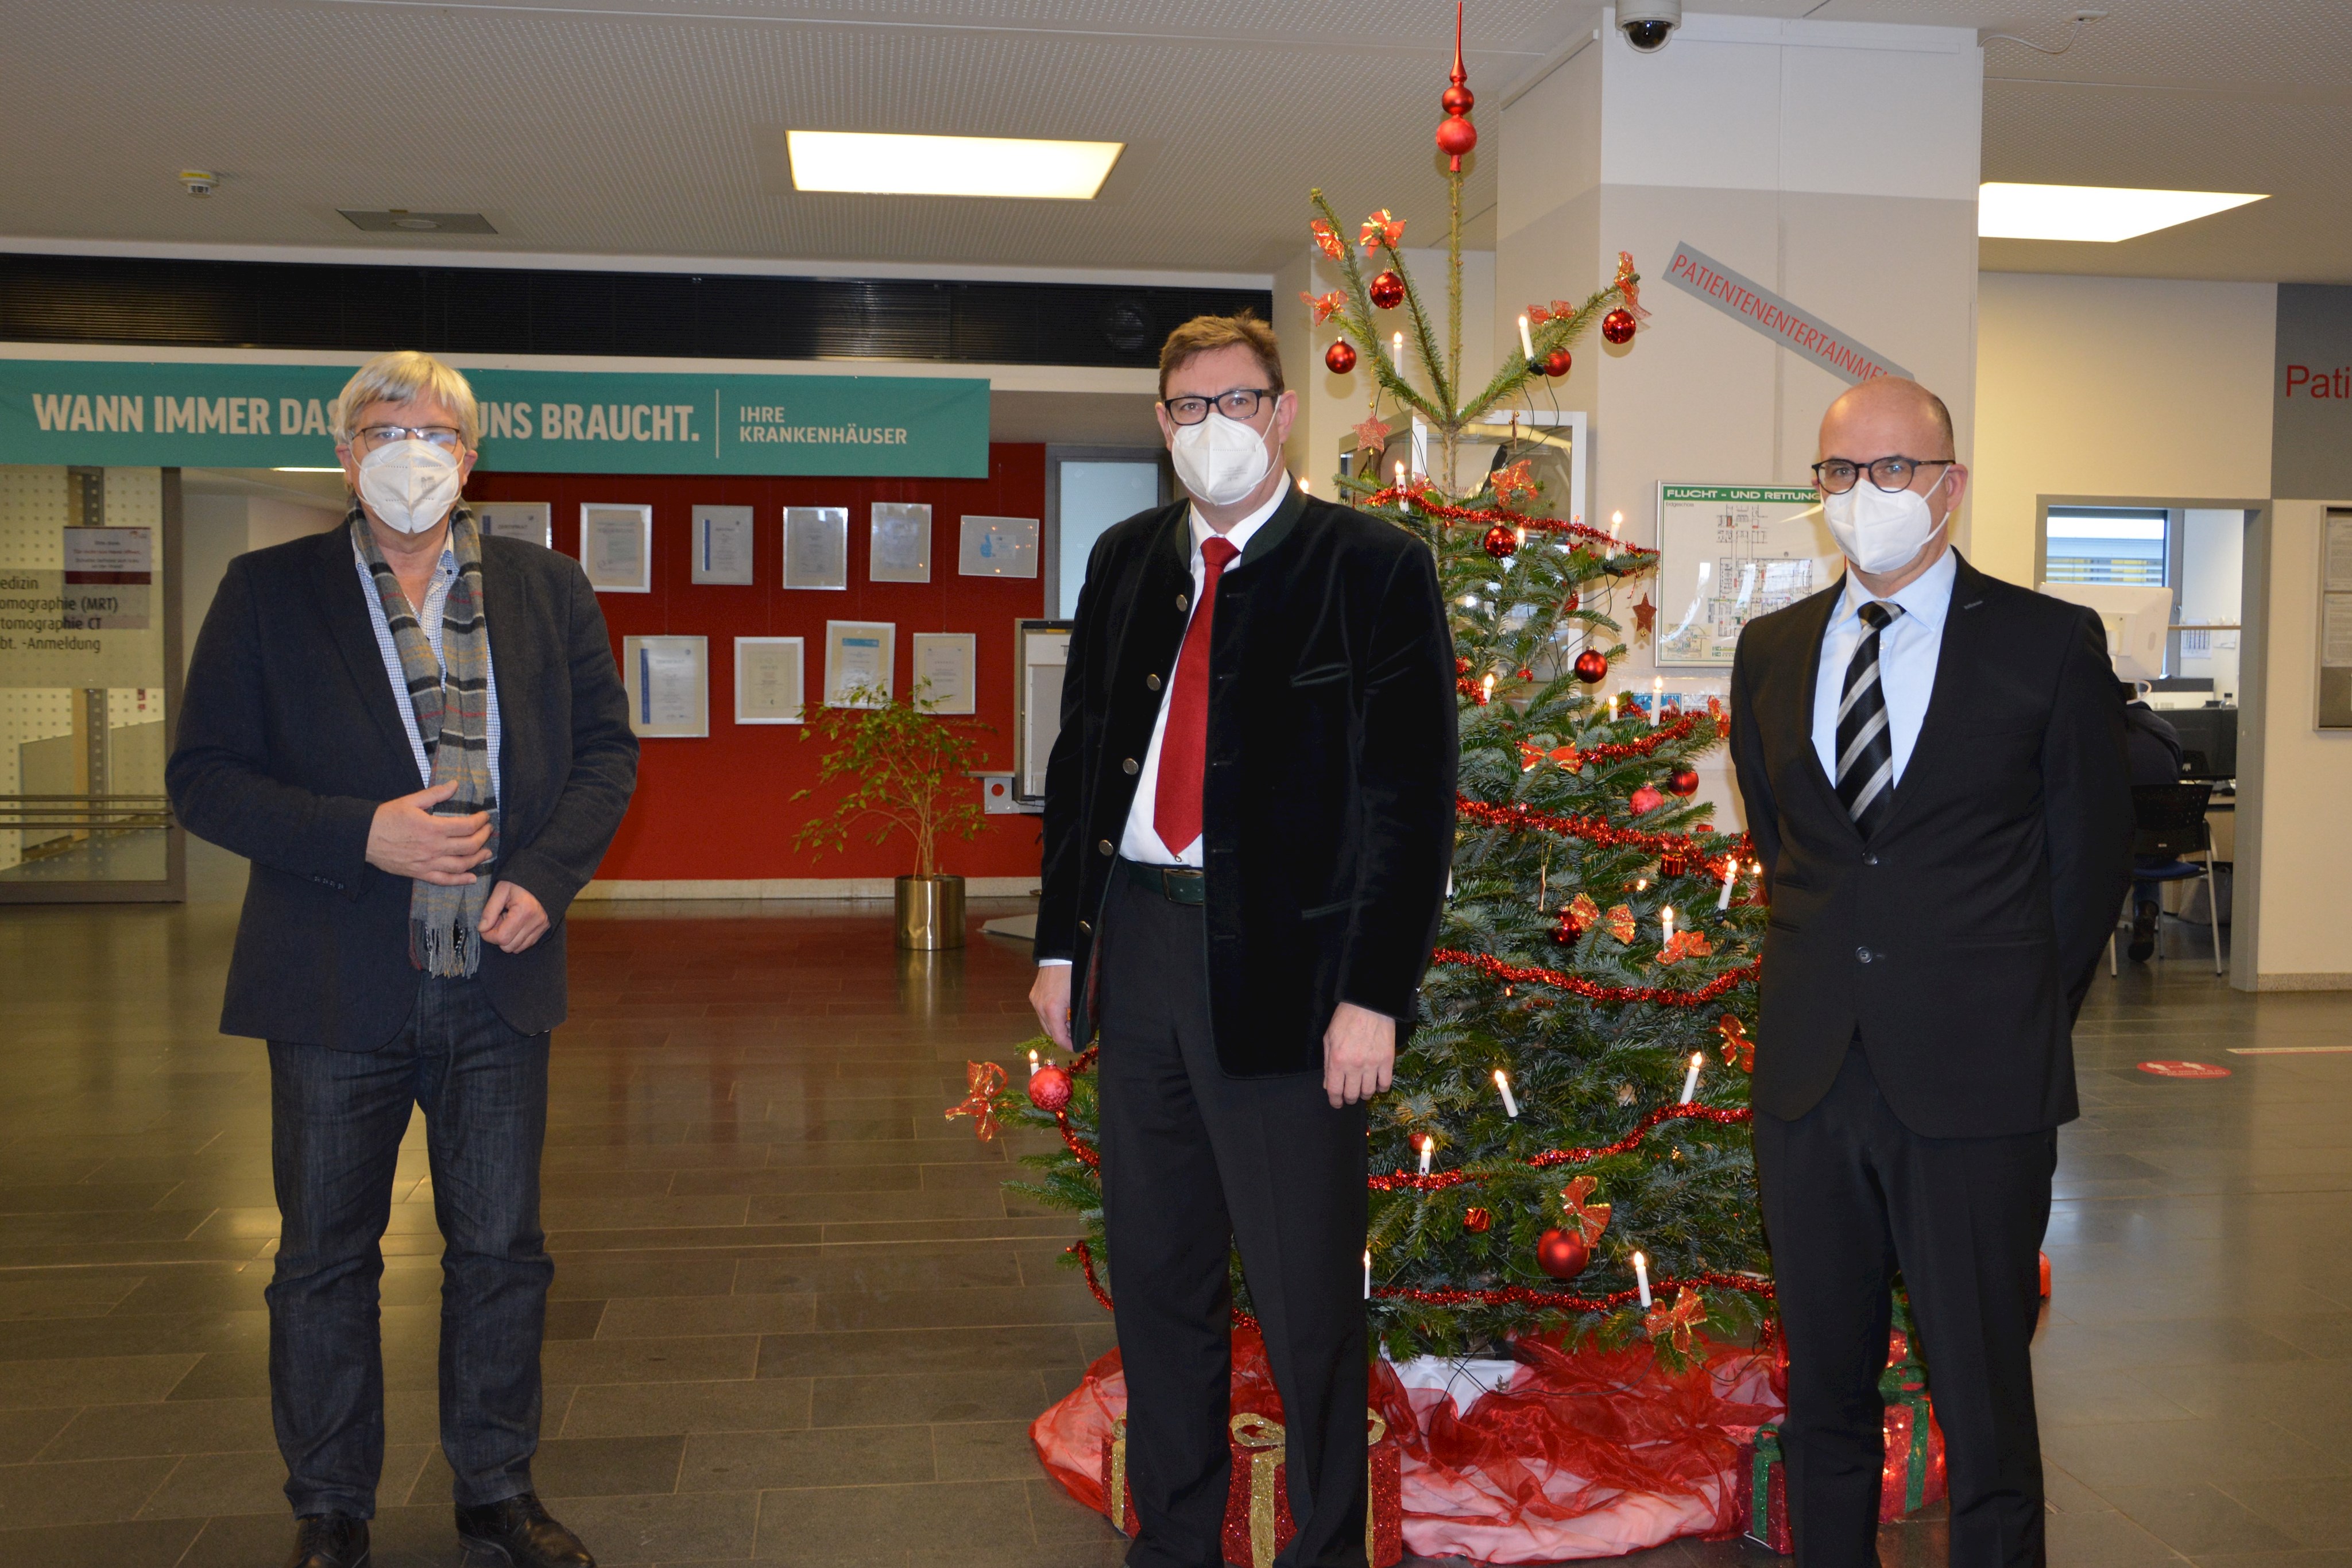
1538, 315
1686, 944
1678, 1321
1382, 228
1325, 306
1327, 239
1589, 1218
1570, 760
1621, 923
1517, 480
1530, 755
1737, 1048
985, 1081
1371, 436
1576, 918
1629, 284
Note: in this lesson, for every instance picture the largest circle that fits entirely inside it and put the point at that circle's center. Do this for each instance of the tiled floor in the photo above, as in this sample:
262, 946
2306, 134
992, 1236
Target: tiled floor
797, 1320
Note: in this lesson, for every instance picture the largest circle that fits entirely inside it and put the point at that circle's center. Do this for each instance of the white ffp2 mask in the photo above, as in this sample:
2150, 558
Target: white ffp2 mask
1879, 530
1220, 460
411, 485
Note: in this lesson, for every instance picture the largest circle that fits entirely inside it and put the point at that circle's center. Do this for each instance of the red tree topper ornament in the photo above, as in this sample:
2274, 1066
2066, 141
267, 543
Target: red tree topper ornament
1618, 327
1455, 135
1500, 540
1387, 290
1592, 666
1562, 1254
1339, 359
1049, 1089
1557, 363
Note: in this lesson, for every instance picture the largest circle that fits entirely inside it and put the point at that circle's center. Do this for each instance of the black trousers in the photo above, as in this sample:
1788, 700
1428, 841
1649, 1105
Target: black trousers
1851, 1195
337, 1118
1195, 1162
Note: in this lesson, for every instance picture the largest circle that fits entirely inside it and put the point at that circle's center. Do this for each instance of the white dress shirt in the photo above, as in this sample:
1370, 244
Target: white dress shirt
428, 616
1908, 650
1141, 841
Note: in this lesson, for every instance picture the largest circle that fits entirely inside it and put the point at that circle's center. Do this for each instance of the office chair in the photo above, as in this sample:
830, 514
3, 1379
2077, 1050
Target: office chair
2170, 820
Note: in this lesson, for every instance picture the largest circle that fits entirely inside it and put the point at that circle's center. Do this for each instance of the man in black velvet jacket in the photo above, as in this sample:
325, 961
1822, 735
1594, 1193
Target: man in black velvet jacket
1249, 815
300, 747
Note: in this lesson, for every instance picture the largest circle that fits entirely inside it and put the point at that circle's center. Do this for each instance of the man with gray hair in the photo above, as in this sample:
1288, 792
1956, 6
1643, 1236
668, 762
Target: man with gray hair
418, 815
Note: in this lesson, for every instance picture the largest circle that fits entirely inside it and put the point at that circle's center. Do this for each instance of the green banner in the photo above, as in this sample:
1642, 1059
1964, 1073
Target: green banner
164, 414
1773, 495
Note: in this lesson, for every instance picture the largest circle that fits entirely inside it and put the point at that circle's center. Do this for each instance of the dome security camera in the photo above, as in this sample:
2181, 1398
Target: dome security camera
1648, 24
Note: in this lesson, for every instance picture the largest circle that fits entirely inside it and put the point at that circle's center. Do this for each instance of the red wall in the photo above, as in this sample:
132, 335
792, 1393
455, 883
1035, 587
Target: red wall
722, 807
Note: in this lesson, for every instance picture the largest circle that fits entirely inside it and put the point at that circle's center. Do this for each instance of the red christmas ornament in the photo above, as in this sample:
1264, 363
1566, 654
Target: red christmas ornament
1592, 666
1526, 673
1646, 799
1683, 780
1339, 358
1049, 1089
1618, 327
1557, 363
1500, 540
1456, 134
1562, 1254
1387, 290
1569, 607
1477, 1220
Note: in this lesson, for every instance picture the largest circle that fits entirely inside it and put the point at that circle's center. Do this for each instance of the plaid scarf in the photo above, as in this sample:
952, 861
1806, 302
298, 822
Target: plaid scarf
451, 698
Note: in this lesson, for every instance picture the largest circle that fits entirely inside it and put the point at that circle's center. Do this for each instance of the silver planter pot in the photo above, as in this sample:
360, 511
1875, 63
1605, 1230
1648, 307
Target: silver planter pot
930, 912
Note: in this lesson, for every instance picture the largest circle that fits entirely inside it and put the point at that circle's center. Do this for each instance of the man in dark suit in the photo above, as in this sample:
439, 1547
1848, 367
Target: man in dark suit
1933, 767
1249, 815
402, 946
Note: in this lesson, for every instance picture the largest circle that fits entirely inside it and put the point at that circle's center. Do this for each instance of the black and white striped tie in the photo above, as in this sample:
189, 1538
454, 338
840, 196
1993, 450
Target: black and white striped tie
1865, 746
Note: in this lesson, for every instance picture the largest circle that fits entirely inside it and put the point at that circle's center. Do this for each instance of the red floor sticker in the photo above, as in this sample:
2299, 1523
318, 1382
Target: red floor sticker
2184, 1070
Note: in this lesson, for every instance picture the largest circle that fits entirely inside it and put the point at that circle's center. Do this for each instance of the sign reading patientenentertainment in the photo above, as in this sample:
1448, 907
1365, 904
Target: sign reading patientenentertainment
130, 414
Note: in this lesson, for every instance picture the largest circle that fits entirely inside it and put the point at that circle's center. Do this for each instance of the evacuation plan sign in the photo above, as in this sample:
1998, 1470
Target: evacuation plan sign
1729, 553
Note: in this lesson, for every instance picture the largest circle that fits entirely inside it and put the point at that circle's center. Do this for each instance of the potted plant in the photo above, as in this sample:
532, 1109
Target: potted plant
910, 772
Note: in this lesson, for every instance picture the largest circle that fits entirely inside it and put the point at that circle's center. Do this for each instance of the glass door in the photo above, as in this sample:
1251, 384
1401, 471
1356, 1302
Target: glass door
90, 676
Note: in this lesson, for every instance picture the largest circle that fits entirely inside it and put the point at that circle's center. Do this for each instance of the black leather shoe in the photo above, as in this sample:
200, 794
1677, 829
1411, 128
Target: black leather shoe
330, 1541
2143, 937
519, 1530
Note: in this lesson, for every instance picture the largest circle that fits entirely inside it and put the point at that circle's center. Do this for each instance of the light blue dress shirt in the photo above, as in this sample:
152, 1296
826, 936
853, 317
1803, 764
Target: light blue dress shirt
1908, 651
428, 617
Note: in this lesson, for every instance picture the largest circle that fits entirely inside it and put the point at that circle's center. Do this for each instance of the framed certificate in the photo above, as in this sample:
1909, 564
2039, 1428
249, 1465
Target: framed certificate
531, 521
997, 547
668, 680
859, 657
616, 547
944, 665
768, 680
722, 544
901, 543
816, 546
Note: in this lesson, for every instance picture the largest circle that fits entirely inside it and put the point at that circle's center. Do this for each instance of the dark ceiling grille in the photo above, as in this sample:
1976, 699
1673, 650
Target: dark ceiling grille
287, 305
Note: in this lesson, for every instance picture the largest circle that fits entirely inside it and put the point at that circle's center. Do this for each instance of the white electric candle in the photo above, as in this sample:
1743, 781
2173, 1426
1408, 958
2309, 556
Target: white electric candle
1396, 350
1616, 521
1490, 688
1526, 344
1658, 698
1666, 924
1690, 1079
1641, 1278
1612, 707
1367, 1274
1428, 1147
1400, 474
1503, 1083
1731, 870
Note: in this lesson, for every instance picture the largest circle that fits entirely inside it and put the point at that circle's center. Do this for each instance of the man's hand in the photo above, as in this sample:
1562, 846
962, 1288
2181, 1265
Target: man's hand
1358, 1054
407, 840
513, 919
1050, 994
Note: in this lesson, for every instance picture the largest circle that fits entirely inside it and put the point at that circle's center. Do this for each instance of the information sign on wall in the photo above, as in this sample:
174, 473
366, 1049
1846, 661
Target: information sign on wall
1729, 553
237, 415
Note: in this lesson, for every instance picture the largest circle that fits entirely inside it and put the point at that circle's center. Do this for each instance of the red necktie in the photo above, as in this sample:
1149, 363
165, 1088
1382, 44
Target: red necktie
1184, 747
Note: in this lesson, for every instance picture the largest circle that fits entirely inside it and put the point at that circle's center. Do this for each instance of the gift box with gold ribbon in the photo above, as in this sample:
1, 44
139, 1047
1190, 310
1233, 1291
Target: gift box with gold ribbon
1258, 1524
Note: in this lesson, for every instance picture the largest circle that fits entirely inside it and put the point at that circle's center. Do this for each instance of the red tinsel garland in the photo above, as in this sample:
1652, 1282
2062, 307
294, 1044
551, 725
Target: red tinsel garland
1722, 1116
1661, 996
1489, 516
1591, 829
1560, 1300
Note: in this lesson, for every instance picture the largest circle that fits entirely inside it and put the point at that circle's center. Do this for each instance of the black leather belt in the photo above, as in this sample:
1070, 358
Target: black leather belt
1176, 884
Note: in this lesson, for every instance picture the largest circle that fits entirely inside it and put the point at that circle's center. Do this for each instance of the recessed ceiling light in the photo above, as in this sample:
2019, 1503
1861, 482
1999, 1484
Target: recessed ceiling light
2097, 212
949, 165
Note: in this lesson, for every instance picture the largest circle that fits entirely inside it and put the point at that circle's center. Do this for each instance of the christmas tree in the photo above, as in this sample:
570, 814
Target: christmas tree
1565, 1147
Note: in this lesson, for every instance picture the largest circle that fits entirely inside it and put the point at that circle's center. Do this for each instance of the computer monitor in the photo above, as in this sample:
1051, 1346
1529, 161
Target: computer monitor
2136, 618
2212, 734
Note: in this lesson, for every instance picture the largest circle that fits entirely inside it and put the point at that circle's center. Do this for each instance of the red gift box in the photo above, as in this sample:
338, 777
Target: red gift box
1763, 1488
1258, 1506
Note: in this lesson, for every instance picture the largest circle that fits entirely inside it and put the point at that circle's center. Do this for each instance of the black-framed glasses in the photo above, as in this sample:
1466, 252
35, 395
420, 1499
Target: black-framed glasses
1837, 476
440, 436
1242, 402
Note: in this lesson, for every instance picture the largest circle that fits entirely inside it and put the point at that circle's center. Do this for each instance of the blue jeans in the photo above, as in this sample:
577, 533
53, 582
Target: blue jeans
336, 1121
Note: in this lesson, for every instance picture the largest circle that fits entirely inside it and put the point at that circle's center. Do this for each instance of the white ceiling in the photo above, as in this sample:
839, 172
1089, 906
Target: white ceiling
652, 128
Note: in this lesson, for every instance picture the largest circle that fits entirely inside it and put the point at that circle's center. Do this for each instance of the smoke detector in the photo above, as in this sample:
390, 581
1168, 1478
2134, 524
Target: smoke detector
200, 183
